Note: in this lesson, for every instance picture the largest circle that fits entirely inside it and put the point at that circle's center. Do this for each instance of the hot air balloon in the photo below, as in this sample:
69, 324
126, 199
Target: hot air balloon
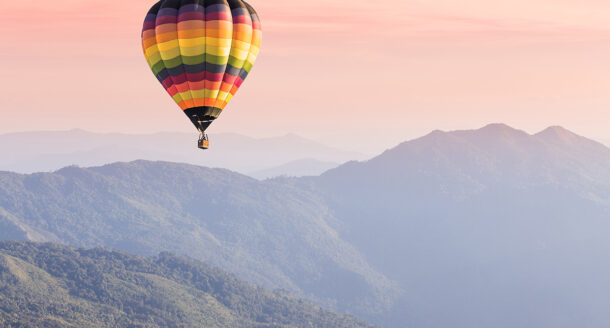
201, 51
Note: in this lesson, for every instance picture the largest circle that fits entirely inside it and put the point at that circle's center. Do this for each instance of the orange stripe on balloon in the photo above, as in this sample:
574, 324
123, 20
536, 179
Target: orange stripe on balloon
182, 87
209, 102
198, 85
191, 33
147, 34
199, 102
168, 36
191, 25
165, 28
146, 43
184, 105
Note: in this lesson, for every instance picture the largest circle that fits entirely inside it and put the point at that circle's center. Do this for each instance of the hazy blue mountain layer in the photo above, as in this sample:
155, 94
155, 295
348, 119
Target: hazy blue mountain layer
40, 151
486, 228
298, 168
271, 234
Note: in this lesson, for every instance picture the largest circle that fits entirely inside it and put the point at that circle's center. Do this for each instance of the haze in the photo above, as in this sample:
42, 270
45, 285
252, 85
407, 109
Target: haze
331, 71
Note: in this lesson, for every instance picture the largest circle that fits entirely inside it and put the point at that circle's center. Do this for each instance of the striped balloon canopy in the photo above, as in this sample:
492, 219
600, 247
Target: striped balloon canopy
201, 51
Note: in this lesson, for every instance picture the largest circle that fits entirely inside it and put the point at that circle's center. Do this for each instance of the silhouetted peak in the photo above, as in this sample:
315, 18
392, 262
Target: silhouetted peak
69, 170
557, 132
496, 133
490, 130
499, 129
560, 135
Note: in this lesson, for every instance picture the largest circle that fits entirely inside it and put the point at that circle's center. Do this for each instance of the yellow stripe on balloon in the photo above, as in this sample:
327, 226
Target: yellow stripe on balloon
198, 93
154, 59
217, 51
186, 95
177, 98
168, 45
151, 50
195, 42
216, 42
171, 53
193, 51
222, 95
224, 34
210, 93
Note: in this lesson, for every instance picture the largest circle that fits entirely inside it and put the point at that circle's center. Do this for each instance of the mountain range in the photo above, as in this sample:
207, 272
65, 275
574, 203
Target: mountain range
289, 155
481, 228
298, 168
46, 285
272, 234
488, 228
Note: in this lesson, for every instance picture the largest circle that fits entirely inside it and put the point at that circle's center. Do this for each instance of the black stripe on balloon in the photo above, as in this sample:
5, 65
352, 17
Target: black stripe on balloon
212, 68
233, 71
243, 74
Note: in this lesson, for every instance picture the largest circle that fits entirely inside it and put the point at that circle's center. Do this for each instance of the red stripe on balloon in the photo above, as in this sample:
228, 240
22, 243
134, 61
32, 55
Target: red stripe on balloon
192, 15
241, 19
195, 77
219, 15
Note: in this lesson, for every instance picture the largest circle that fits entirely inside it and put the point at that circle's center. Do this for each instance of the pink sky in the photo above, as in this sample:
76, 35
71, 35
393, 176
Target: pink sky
328, 70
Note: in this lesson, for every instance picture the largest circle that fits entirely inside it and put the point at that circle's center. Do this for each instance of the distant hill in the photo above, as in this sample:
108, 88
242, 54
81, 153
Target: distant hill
486, 228
492, 227
271, 234
298, 168
29, 152
46, 285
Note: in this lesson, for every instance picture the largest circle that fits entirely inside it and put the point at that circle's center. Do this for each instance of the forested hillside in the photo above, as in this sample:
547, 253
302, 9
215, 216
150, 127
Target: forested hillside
492, 227
267, 233
47, 285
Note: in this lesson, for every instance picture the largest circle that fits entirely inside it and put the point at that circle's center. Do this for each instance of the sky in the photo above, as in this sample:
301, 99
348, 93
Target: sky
356, 74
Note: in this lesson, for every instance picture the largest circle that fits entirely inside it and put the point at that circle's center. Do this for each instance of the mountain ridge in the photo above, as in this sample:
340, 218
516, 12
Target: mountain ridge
464, 213
274, 235
30, 152
440, 224
499, 142
297, 168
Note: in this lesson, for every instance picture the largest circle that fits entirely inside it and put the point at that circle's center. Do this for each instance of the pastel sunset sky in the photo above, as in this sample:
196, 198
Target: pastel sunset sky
331, 70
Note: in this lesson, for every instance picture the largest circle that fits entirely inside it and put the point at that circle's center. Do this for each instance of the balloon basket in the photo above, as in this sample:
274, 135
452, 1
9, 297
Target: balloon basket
204, 142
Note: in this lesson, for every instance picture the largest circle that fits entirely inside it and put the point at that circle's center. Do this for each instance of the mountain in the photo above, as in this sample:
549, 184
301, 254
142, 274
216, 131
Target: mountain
29, 152
298, 168
47, 285
487, 228
492, 227
270, 234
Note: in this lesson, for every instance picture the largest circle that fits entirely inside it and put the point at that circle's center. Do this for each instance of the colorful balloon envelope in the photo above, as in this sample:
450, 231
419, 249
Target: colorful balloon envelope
201, 51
